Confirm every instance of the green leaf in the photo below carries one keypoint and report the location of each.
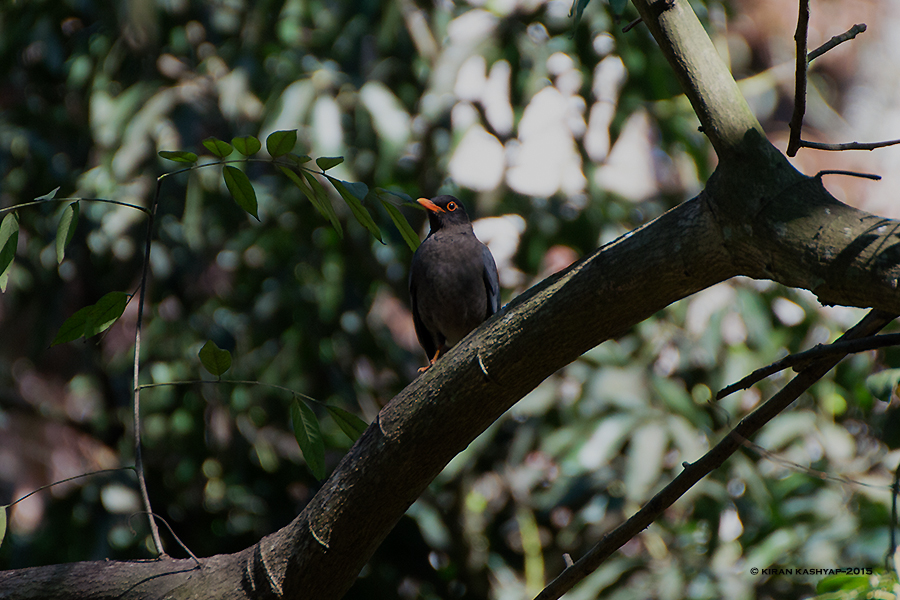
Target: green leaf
(309, 437)
(883, 383)
(3, 523)
(359, 190)
(409, 234)
(241, 189)
(66, 229)
(49, 195)
(280, 143)
(300, 159)
(247, 145)
(349, 423)
(577, 10)
(104, 313)
(326, 162)
(406, 198)
(842, 582)
(9, 239)
(218, 147)
(323, 205)
(93, 319)
(182, 156)
(73, 327)
(214, 359)
(352, 193)
(319, 199)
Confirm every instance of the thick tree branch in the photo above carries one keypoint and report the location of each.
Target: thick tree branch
(441, 412)
(723, 112)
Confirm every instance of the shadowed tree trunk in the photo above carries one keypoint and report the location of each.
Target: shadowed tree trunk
(757, 217)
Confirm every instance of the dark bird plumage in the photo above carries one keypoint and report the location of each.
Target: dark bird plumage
(453, 281)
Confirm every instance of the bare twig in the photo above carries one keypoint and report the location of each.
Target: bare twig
(873, 322)
(800, 359)
(871, 176)
(895, 490)
(632, 25)
(146, 386)
(46, 200)
(779, 460)
(154, 516)
(138, 458)
(835, 41)
(74, 477)
(799, 79)
(848, 145)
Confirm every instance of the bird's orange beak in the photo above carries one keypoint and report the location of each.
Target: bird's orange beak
(430, 205)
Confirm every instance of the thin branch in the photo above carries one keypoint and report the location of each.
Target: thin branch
(801, 358)
(779, 460)
(895, 490)
(46, 200)
(871, 176)
(632, 25)
(74, 477)
(799, 79)
(797, 143)
(848, 145)
(138, 457)
(171, 531)
(835, 41)
(146, 386)
(873, 322)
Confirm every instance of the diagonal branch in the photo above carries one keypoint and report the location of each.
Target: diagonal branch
(840, 348)
(835, 41)
(442, 411)
(799, 78)
(725, 117)
(694, 472)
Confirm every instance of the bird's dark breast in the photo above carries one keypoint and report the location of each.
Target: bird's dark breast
(450, 289)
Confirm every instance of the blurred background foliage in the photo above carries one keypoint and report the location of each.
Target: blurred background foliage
(559, 139)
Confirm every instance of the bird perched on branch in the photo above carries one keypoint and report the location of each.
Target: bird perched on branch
(453, 281)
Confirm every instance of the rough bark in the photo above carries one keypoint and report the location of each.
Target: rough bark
(757, 217)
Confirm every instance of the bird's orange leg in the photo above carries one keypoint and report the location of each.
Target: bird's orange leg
(431, 362)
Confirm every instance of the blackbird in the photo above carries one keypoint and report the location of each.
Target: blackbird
(453, 281)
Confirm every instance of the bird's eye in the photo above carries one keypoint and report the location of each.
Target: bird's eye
(451, 206)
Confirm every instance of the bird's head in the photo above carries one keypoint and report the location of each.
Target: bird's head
(444, 211)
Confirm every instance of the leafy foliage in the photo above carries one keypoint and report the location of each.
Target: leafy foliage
(280, 143)
(9, 240)
(349, 423)
(181, 156)
(309, 437)
(66, 230)
(218, 147)
(91, 320)
(214, 359)
(310, 302)
(241, 189)
(247, 145)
